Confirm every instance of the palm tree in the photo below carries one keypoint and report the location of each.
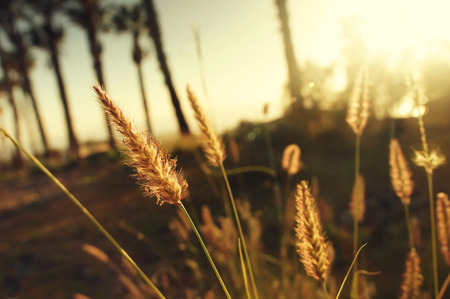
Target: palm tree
(132, 19)
(8, 85)
(293, 70)
(8, 21)
(89, 15)
(152, 22)
(49, 36)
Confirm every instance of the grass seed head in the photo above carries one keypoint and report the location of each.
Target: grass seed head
(212, 144)
(155, 172)
(291, 159)
(358, 201)
(358, 108)
(429, 160)
(443, 224)
(311, 242)
(412, 277)
(400, 173)
(96, 252)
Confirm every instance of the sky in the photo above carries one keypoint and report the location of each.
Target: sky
(243, 61)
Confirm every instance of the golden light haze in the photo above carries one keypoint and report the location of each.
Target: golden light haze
(243, 60)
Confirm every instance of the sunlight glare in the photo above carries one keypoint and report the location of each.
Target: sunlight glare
(395, 25)
(407, 108)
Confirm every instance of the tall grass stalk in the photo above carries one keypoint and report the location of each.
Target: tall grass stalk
(401, 182)
(84, 211)
(244, 270)
(240, 232)
(354, 288)
(214, 152)
(205, 250)
(408, 226)
(156, 173)
(355, 219)
(325, 290)
(357, 116)
(429, 160)
(348, 271)
(243, 169)
(433, 233)
(444, 287)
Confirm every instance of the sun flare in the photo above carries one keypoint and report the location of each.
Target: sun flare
(399, 24)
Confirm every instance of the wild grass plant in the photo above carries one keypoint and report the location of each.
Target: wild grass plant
(232, 242)
(357, 116)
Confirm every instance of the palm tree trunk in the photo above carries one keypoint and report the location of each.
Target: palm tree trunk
(137, 57)
(9, 25)
(73, 142)
(28, 89)
(18, 160)
(156, 37)
(96, 50)
(293, 71)
(144, 97)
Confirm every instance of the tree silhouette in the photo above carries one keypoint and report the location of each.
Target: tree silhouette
(8, 85)
(155, 33)
(8, 22)
(133, 19)
(89, 15)
(47, 35)
(293, 70)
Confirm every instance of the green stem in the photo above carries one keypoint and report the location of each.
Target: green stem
(348, 271)
(429, 172)
(444, 287)
(408, 225)
(84, 211)
(244, 271)
(269, 146)
(241, 234)
(433, 232)
(355, 218)
(255, 168)
(284, 235)
(205, 250)
(324, 286)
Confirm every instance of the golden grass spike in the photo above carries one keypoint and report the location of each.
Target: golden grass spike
(234, 150)
(358, 202)
(291, 159)
(212, 144)
(358, 108)
(211, 231)
(96, 252)
(180, 231)
(156, 173)
(429, 161)
(443, 224)
(412, 277)
(400, 173)
(311, 243)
